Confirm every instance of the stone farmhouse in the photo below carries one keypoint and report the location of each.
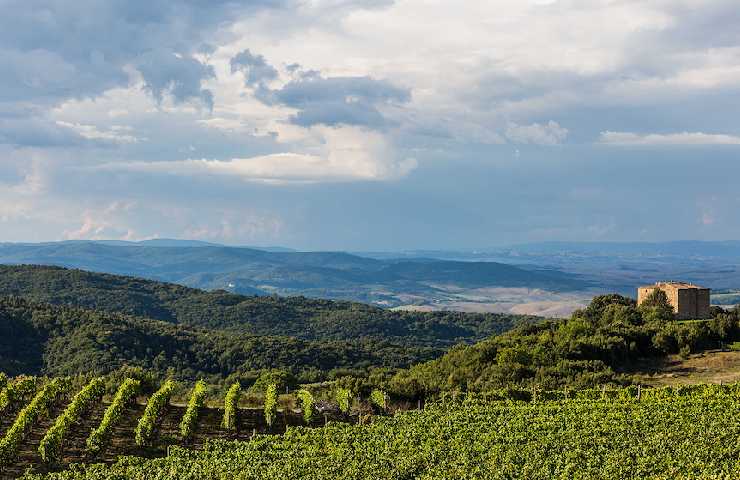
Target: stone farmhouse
(689, 301)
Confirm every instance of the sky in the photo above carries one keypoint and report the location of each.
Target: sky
(370, 124)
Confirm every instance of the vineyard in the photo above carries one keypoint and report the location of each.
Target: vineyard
(47, 424)
(668, 433)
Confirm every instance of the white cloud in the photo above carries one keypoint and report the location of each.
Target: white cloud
(115, 134)
(657, 139)
(338, 155)
(550, 133)
(101, 224)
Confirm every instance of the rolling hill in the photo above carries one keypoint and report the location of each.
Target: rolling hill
(60, 321)
(337, 275)
(309, 319)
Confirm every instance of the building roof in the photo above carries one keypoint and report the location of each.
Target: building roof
(673, 284)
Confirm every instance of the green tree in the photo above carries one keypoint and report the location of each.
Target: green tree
(656, 307)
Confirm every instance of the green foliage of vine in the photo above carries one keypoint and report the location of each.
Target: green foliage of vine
(271, 398)
(27, 417)
(154, 408)
(379, 399)
(677, 434)
(344, 399)
(113, 414)
(17, 390)
(3, 380)
(195, 404)
(50, 447)
(231, 407)
(307, 404)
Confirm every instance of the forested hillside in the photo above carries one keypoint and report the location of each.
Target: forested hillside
(61, 340)
(300, 317)
(598, 345)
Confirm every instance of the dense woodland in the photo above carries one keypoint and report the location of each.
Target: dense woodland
(299, 317)
(62, 322)
(60, 340)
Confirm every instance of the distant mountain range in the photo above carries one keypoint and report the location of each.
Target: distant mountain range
(244, 270)
(617, 266)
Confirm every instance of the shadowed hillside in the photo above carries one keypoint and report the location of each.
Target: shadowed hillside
(300, 317)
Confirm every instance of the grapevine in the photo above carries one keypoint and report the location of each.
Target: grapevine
(379, 399)
(270, 403)
(684, 433)
(231, 407)
(344, 399)
(27, 417)
(306, 404)
(190, 418)
(125, 393)
(154, 408)
(17, 390)
(51, 445)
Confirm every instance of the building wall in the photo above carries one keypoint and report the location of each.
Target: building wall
(702, 303)
(687, 302)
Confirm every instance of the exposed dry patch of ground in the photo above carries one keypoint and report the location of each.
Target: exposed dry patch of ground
(712, 366)
(522, 301)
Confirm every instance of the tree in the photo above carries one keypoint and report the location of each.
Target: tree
(656, 307)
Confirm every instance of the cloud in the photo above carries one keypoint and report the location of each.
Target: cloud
(550, 133)
(183, 101)
(166, 71)
(101, 224)
(669, 139)
(330, 101)
(256, 70)
(120, 134)
(38, 132)
(349, 154)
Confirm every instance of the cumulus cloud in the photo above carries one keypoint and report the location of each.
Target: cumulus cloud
(179, 98)
(321, 100)
(550, 133)
(349, 154)
(666, 139)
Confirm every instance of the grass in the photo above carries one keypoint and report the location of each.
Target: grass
(708, 367)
